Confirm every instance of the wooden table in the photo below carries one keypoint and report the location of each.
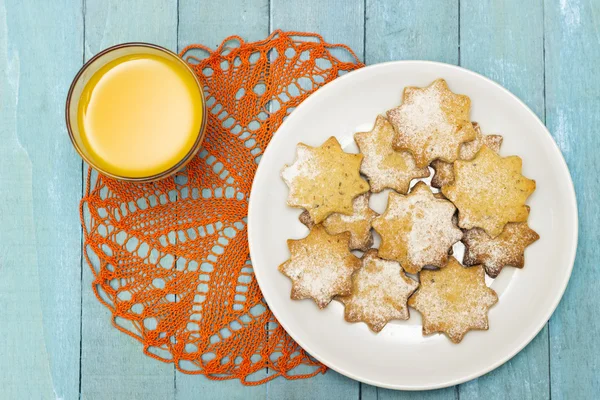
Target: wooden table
(57, 341)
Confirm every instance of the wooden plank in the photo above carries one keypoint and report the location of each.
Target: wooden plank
(339, 21)
(209, 23)
(572, 104)
(504, 41)
(411, 30)
(113, 364)
(40, 189)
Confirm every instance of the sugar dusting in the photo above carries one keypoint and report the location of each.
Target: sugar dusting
(361, 207)
(444, 172)
(454, 300)
(428, 230)
(507, 249)
(380, 293)
(385, 167)
(303, 166)
(320, 267)
(489, 191)
(422, 116)
(423, 123)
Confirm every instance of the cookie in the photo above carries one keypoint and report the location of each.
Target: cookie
(507, 249)
(489, 191)
(444, 172)
(358, 224)
(417, 229)
(382, 165)
(324, 180)
(453, 300)
(432, 123)
(380, 291)
(320, 266)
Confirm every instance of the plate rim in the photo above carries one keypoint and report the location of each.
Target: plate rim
(549, 312)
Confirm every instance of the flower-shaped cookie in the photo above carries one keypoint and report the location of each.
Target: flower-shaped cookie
(417, 229)
(320, 266)
(380, 291)
(358, 224)
(489, 191)
(385, 167)
(507, 249)
(432, 123)
(324, 180)
(444, 172)
(453, 300)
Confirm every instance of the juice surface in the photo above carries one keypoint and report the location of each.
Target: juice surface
(139, 115)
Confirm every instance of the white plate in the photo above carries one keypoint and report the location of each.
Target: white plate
(399, 357)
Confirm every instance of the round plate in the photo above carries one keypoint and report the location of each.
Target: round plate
(399, 357)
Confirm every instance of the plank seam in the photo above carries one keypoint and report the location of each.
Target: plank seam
(544, 118)
(81, 261)
(458, 2)
(364, 55)
(176, 196)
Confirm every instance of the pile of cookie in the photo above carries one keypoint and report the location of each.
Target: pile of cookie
(481, 202)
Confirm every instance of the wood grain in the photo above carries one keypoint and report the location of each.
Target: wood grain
(407, 31)
(533, 49)
(39, 191)
(339, 21)
(572, 45)
(113, 365)
(504, 42)
(411, 30)
(209, 23)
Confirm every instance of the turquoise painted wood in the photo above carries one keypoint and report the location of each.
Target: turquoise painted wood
(112, 363)
(572, 45)
(404, 30)
(58, 341)
(39, 191)
(209, 23)
(340, 21)
(501, 41)
(411, 30)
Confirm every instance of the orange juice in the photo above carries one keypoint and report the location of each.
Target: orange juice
(139, 115)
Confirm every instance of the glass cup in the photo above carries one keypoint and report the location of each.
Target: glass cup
(83, 78)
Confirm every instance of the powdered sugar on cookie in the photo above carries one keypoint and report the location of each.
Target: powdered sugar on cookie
(507, 249)
(358, 224)
(489, 191)
(304, 166)
(432, 123)
(453, 300)
(444, 172)
(385, 167)
(324, 180)
(320, 266)
(417, 229)
(380, 292)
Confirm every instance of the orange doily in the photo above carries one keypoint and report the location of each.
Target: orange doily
(170, 259)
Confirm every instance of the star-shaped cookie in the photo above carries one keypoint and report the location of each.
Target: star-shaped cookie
(324, 180)
(507, 249)
(417, 229)
(358, 224)
(432, 123)
(453, 300)
(320, 266)
(489, 191)
(444, 172)
(385, 167)
(380, 291)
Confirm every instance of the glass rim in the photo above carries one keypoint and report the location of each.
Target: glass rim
(143, 179)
